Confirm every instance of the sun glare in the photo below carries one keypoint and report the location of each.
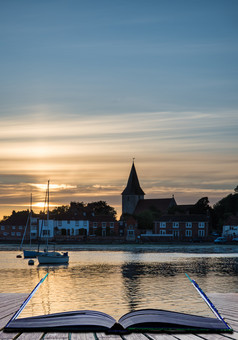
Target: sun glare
(54, 187)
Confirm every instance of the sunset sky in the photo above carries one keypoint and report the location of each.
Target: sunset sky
(85, 86)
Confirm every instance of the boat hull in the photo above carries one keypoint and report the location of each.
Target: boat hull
(30, 254)
(53, 258)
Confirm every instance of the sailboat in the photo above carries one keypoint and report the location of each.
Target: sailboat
(51, 257)
(29, 253)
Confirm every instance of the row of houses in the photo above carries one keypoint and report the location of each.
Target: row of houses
(166, 228)
(53, 228)
(177, 228)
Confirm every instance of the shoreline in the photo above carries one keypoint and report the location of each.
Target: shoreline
(139, 248)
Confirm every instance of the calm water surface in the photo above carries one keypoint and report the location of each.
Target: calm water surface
(120, 281)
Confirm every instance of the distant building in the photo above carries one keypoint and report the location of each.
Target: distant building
(182, 227)
(230, 228)
(132, 194)
(54, 228)
(171, 221)
(11, 232)
(103, 226)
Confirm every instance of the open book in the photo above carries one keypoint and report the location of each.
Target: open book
(144, 320)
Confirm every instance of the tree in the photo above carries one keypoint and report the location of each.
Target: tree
(201, 207)
(226, 207)
(61, 212)
(101, 208)
(17, 218)
(236, 189)
(145, 219)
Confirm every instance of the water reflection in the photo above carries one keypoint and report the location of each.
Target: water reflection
(116, 282)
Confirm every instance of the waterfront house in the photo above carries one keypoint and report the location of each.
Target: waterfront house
(10, 232)
(230, 228)
(103, 226)
(182, 227)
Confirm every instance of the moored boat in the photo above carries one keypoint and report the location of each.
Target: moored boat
(53, 257)
(30, 254)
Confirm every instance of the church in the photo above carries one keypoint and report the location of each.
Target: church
(133, 201)
(171, 222)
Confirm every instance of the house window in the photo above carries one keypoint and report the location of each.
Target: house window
(60, 223)
(46, 223)
(201, 225)
(176, 233)
(85, 223)
(77, 223)
(188, 224)
(20, 227)
(13, 227)
(111, 224)
(46, 232)
(162, 232)
(188, 233)
(162, 225)
(201, 233)
(2, 227)
(95, 224)
(18, 233)
(104, 224)
(175, 224)
(68, 222)
(13, 233)
(5, 234)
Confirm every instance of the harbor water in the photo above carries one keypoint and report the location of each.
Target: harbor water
(120, 280)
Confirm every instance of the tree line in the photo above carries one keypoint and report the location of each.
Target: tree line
(73, 211)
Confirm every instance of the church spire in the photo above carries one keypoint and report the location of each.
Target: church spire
(133, 185)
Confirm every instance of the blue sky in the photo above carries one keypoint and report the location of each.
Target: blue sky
(87, 86)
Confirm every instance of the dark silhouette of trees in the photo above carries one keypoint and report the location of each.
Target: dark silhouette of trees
(74, 211)
(226, 207)
(101, 208)
(16, 218)
(201, 207)
(145, 219)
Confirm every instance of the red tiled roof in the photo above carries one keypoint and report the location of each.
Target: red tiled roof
(160, 204)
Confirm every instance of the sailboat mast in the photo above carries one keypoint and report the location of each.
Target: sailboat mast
(30, 217)
(48, 212)
(24, 234)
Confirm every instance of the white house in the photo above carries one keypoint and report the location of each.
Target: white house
(230, 231)
(230, 227)
(63, 227)
(46, 228)
(71, 227)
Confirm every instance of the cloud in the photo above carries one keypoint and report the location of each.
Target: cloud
(89, 157)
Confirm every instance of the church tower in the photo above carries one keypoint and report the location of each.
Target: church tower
(132, 193)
